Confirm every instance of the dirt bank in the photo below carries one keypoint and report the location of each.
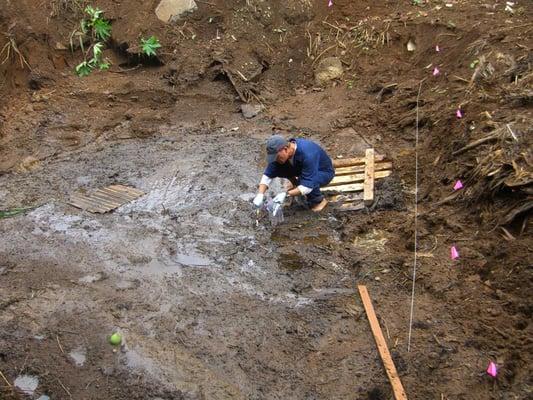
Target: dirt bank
(212, 304)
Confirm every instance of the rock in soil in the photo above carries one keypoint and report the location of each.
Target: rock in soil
(250, 110)
(328, 69)
(171, 10)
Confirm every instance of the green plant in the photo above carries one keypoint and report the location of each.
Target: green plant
(150, 45)
(99, 31)
(96, 25)
(12, 212)
(97, 61)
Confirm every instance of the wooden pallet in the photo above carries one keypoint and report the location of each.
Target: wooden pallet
(105, 199)
(356, 175)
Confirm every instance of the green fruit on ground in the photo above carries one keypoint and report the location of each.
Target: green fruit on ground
(115, 339)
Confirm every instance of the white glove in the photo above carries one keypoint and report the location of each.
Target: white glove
(259, 199)
(280, 198)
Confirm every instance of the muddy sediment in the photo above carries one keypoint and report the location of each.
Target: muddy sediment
(212, 300)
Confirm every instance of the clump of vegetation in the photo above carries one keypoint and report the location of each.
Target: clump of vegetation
(149, 46)
(98, 29)
(12, 212)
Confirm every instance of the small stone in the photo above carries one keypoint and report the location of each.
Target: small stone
(172, 10)
(494, 312)
(328, 69)
(250, 110)
(377, 278)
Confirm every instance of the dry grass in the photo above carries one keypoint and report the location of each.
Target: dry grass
(67, 7)
(11, 52)
(346, 38)
(503, 175)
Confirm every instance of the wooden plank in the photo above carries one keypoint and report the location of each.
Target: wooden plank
(380, 166)
(122, 195)
(105, 199)
(112, 195)
(368, 190)
(130, 190)
(353, 187)
(354, 206)
(343, 179)
(399, 392)
(346, 162)
(345, 197)
(85, 205)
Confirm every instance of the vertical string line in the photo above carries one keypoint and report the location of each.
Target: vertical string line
(416, 223)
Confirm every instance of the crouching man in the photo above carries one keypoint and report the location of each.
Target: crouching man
(304, 163)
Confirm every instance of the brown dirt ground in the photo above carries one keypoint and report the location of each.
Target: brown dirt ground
(132, 122)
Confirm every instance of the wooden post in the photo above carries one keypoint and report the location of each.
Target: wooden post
(368, 190)
(399, 393)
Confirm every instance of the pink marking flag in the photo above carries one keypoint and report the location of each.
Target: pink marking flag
(436, 72)
(459, 113)
(454, 254)
(330, 3)
(458, 185)
(437, 48)
(492, 369)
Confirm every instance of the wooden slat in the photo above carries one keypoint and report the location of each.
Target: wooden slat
(105, 199)
(399, 392)
(343, 179)
(122, 196)
(345, 197)
(353, 206)
(354, 187)
(113, 195)
(84, 204)
(101, 199)
(346, 162)
(380, 166)
(130, 190)
(368, 189)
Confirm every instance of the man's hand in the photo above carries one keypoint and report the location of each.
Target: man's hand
(259, 200)
(280, 198)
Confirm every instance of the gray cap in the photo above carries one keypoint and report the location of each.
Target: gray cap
(274, 144)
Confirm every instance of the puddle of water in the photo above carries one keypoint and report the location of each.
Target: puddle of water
(27, 383)
(78, 355)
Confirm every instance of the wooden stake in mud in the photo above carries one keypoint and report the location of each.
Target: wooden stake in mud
(399, 393)
(368, 190)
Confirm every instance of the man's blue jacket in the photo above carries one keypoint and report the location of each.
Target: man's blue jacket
(310, 163)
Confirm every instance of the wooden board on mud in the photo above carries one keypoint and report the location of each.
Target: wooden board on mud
(354, 175)
(105, 199)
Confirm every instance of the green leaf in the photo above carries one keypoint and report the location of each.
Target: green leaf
(12, 212)
(102, 29)
(94, 13)
(97, 51)
(83, 69)
(85, 26)
(150, 45)
(104, 66)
